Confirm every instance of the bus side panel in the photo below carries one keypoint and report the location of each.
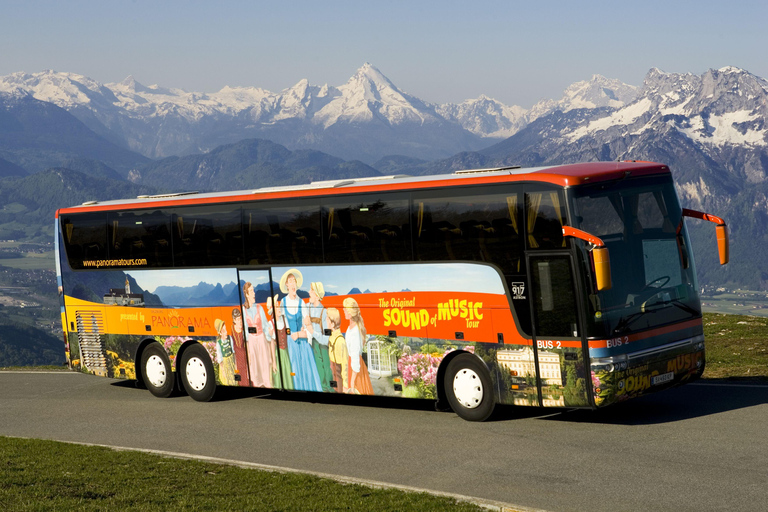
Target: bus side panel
(388, 326)
(109, 313)
(515, 363)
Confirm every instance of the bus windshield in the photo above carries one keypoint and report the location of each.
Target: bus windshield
(652, 271)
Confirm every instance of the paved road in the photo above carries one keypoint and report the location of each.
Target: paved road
(699, 447)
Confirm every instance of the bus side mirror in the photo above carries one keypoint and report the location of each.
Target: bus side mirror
(602, 265)
(722, 243)
(721, 229)
(599, 254)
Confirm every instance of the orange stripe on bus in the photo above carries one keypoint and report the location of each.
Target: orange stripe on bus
(649, 334)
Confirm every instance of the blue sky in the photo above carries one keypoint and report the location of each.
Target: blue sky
(516, 52)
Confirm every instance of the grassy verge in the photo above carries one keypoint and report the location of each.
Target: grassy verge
(40, 368)
(46, 475)
(31, 261)
(737, 347)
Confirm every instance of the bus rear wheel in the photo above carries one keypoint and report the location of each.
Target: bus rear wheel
(197, 374)
(157, 374)
(468, 388)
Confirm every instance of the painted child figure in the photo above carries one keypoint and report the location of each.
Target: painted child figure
(318, 322)
(225, 355)
(337, 350)
(284, 377)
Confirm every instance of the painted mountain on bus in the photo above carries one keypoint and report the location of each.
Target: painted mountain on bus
(366, 118)
(94, 286)
(201, 294)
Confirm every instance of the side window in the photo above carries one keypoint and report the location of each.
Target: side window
(600, 216)
(204, 236)
(554, 297)
(283, 232)
(473, 226)
(141, 235)
(366, 228)
(651, 211)
(85, 238)
(544, 219)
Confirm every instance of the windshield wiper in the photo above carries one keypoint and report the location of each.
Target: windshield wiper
(671, 301)
(628, 320)
(685, 307)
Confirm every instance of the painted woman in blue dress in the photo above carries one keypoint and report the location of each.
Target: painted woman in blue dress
(306, 377)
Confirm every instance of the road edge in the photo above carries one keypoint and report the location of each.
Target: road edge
(496, 506)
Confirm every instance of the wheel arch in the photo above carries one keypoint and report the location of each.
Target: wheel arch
(442, 400)
(184, 347)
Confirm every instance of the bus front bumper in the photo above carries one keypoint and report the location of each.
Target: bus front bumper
(619, 378)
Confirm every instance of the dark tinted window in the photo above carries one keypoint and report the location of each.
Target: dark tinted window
(470, 226)
(554, 297)
(85, 238)
(545, 215)
(141, 235)
(205, 236)
(282, 233)
(367, 228)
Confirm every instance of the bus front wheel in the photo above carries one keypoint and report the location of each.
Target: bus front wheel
(468, 388)
(197, 374)
(156, 371)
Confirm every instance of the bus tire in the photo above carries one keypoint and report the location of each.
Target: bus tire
(156, 371)
(468, 388)
(197, 374)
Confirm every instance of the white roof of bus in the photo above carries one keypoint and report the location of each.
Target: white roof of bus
(327, 184)
(400, 179)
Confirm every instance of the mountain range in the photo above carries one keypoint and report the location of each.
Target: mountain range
(365, 119)
(712, 129)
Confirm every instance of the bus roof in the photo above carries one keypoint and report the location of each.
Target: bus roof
(562, 175)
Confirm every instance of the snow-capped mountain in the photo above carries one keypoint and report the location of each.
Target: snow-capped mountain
(490, 118)
(486, 117)
(366, 118)
(596, 92)
(724, 113)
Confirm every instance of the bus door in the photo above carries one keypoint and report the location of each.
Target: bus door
(259, 337)
(557, 332)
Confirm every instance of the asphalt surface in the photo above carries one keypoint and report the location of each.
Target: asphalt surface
(703, 446)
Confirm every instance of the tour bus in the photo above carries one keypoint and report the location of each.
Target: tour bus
(570, 286)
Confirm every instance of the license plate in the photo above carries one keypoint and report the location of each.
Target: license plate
(661, 379)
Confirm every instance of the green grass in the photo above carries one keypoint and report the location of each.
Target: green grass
(737, 346)
(39, 368)
(31, 261)
(46, 475)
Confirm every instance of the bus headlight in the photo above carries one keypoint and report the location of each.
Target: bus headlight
(609, 364)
